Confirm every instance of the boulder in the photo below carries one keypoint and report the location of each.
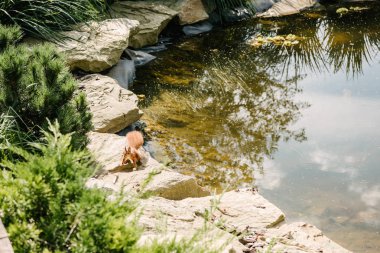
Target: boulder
(202, 27)
(97, 46)
(191, 11)
(140, 58)
(300, 237)
(150, 178)
(153, 18)
(287, 7)
(243, 213)
(113, 107)
(224, 215)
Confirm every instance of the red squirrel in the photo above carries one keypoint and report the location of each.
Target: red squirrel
(131, 154)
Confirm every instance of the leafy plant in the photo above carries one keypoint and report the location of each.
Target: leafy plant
(35, 84)
(45, 18)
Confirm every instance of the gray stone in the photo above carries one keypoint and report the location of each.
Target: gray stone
(153, 18)
(150, 178)
(199, 28)
(262, 5)
(97, 46)
(123, 73)
(287, 7)
(113, 107)
(140, 58)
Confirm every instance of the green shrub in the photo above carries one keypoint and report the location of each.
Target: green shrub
(35, 85)
(44, 18)
(45, 205)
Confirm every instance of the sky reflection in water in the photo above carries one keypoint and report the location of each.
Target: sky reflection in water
(302, 123)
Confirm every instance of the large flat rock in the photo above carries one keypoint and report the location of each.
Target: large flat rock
(97, 46)
(251, 221)
(150, 178)
(112, 106)
(153, 18)
(300, 237)
(287, 7)
(222, 215)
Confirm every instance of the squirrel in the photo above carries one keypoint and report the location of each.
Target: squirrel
(131, 154)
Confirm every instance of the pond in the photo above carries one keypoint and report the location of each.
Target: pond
(300, 121)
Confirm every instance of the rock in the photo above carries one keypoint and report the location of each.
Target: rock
(5, 244)
(262, 5)
(236, 14)
(287, 7)
(123, 73)
(164, 220)
(153, 18)
(140, 58)
(113, 107)
(240, 210)
(191, 30)
(97, 46)
(191, 11)
(154, 49)
(242, 213)
(229, 213)
(301, 237)
(159, 180)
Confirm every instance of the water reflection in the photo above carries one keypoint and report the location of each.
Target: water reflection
(232, 120)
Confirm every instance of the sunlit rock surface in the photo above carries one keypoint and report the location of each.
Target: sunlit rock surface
(287, 7)
(153, 18)
(152, 177)
(191, 11)
(223, 215)
(300, 237)
(247, 219)
(112, 106)
(97, 46)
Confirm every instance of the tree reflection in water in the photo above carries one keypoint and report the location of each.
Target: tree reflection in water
(228, 122)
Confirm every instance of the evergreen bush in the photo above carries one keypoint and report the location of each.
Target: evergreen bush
(36, 85)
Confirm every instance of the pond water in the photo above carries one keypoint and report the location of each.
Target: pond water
(300, 122)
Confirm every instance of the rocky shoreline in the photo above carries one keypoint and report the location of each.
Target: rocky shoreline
(174, 206)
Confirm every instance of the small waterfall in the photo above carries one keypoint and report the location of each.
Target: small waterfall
(124, 71)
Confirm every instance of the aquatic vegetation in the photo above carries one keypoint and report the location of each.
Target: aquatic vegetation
(343, 11)
(278, 40)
